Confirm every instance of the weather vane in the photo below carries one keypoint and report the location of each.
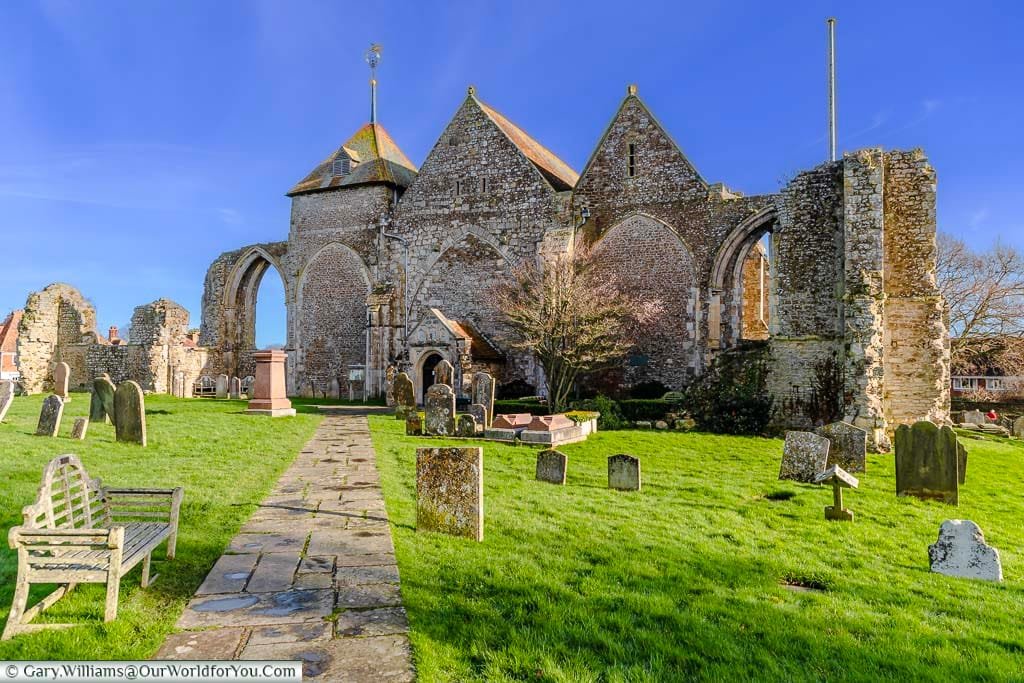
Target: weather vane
(372, 57)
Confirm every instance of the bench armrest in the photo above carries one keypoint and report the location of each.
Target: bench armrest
(89, 539)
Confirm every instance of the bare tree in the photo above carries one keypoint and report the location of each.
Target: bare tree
(573, 316)
(984, 292)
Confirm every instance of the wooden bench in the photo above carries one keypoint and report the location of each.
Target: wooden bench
(79, 531)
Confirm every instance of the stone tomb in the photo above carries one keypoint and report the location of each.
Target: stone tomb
(516, 421)
(79, 429)
(1018, 427)
(444, 373)
(439, 407)
(482, 393)
(235, 390)
(404, 396)
(804, 457)
(974, 417)
(222, 386)
(130, 413)
(101, 406)
(848, 445)
(61, 377)
(624, 472)
(50, 415)
(961, 551)
(840, 479)
(551, 430)
(551, 466)
(928, 462)
(6, 397)
(450, 491)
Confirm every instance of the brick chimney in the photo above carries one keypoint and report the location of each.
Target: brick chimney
(112, 333)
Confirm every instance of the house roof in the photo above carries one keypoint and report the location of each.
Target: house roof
(376, 159)
(557, 172)
(9, 332)
(479, 346)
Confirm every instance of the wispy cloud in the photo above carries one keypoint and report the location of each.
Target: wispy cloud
(978, 217)
(230, 216)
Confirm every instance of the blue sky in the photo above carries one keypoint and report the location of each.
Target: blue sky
(138, 140)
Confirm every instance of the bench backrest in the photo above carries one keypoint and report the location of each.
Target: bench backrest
(67, 498)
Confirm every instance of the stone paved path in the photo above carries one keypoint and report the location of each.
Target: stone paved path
(311, 575)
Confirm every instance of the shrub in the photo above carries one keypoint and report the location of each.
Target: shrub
(651, 410)
(532, 407)
(731, 397)
(611, 415)
(579, 416)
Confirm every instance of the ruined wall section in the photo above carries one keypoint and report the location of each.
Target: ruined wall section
(916, 338)
(56, 319)
(755, 314)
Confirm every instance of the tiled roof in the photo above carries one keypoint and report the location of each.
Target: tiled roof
(376, 157)
(556, 171)
(9, 332)
(479, 346)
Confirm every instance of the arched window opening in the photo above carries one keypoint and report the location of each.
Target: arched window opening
(270, 316)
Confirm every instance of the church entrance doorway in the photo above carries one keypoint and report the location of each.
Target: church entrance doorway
(427, 373)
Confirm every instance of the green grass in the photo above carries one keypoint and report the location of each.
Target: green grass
(682, 580)
(226, 461)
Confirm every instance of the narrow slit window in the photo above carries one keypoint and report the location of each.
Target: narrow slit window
(458, 188)
(631, 160)
(483, 184)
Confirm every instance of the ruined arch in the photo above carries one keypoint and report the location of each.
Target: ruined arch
(241, 290)
(332, 318)
(651, 261)
(734, 304)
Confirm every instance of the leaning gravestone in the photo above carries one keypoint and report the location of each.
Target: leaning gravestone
(444, 372)
(6, 397)
(961, 463)
(49, 416)
(101, 408)
(804, 456)
(414, 424)
(450, 491)
(61, 376)
(551, 466)
(130, 413)
(465, 425)
(389, 385)
(927, 462)
(81, 425)
(975, 417)
(439, 407)
(222, 386)
(848, 446)
(961, 551)
(176, 390)
(482, 393)
(1018, 427)
(235, 390)
(404, 396)
(624, 472)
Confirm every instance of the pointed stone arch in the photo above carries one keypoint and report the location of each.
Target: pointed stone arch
(726, 283)
(238, 341)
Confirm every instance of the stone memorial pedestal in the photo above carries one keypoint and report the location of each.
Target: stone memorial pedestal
(268, 393)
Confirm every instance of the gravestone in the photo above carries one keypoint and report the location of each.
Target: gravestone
(450, 491)
(465, 425)
(236, 388)
(80, 427)
(975, 417)
(414, 424)
(848, 446)
(928, 462)
(961, 463)
(624, 472)
(840, 479)
(804, 456)
(444, 373)
(482, 393)
(130, 413)
(334, 388)
(439, 407)
(61, 377)
(389, 385)
(551, 466)
(101, 407)
(961, 551)
(1018, 427)
(49, 416)
(106, 376)
(404, 396)
(6, 397)
(180, 378)
(479, 412)
(222, 386)
(175, 385)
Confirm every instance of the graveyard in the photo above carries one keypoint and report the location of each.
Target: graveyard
(713, 568)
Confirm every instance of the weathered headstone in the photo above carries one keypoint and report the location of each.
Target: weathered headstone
(848, 445)
(961, 462)
(130, 413)
(551, 466)
(101, 407)
(414, 424)
(961, 551)
(179, 377)
(61, 377)
(444, 373)
(222, 386)
(334, 388)
(479, 412)
(49, 416)
(465, 425)
(439, 407)
(482, 393)
(389, 385)
(1018, 427)
(235, 390)
(840, 479)
(624, 472)
(927, 462)
(175, 385)
(106, 376)
(6, 397)
(80, 427)
(804, 456)
(450, 491)
(404, 395)
(975, 417)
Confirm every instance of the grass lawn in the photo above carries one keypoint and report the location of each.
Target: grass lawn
(227, 463)
(683, 579)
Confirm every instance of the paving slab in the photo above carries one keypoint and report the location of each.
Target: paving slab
(348, 660)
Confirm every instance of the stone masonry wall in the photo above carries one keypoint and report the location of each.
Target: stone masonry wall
(54, 317)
